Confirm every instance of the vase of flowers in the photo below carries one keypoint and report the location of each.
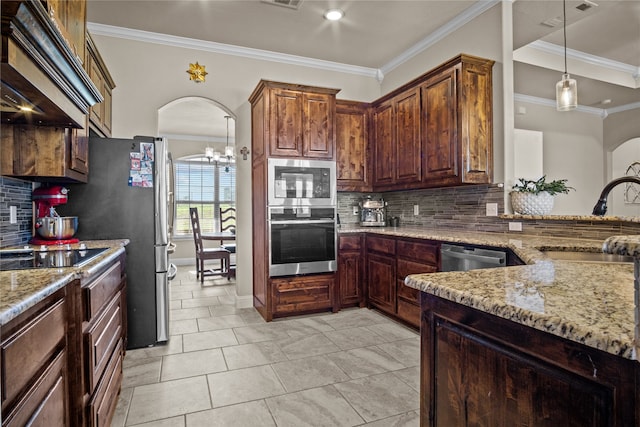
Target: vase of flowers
(536, 197)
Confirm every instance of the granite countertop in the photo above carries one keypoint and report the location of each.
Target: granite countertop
(22, 289)
(589, 303)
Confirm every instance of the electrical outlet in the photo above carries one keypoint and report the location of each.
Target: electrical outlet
(515, 226)
(355, 210)
(13, 214)
(492, 209)
(416, 210)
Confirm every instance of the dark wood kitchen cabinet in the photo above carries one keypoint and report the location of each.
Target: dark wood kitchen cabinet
(302, 294)
(45, 153)
(457, 130)
(350, 270)
(100, 117)
(381, 273)
(353, 156)
(397, 150)
(298, 121)
(34, 364)
(479, 369)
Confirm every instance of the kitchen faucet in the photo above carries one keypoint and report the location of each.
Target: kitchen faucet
(601, 206)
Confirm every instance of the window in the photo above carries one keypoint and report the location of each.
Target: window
(206, 186)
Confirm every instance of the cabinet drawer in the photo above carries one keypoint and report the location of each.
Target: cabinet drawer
(98, 292)
(406, 268)
(26, 352)
(101, 339)
(350, 243)
(381, 244)
(418, 251)
(409, 312)
(46, 402)
(103, 403)
(302, 294)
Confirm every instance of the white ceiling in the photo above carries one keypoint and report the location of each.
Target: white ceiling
(377, 34)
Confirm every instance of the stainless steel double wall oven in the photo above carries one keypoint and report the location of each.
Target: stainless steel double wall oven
(301, 216)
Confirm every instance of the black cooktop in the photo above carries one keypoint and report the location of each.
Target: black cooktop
(51, 258)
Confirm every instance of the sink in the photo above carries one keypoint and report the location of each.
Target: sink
(588, 257)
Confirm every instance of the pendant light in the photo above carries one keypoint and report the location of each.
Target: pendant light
(567, 88)
(228, 150)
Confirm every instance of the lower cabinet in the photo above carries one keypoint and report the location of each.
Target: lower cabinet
(389, 262)
(350, 271)
(302, 294)
(479, 369)
(34, 365)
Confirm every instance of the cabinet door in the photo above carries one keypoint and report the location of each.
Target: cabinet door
(384, 147)
(350, 278)
(407, 140)
(352, 146)
(381, 281)
(481, 382)
(318, 133)
(79, 147)
(285, 135)
(439, 130)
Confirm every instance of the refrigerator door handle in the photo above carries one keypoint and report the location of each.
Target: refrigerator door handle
(162, 307)
(160, 192)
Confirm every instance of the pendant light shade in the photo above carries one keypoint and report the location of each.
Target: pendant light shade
(567, 88)
(566, 93)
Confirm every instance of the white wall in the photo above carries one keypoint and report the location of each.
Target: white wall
(572, 150)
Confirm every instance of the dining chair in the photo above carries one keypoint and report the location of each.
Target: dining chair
(203, 254)
(228, 224)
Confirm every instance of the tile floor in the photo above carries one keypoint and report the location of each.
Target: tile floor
(225, 366)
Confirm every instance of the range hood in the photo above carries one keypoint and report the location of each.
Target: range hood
(43, 82)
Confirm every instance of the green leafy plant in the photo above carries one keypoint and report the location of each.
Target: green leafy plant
(535, 187)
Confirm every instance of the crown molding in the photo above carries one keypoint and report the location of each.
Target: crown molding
(226, 49)
(602, 112)
(460, 20)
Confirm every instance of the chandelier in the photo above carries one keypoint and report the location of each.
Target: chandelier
(227, 158)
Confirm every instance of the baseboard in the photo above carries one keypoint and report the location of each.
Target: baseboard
(244, 301)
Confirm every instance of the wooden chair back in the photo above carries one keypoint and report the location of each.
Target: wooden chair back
(228, 219)
(197, 233)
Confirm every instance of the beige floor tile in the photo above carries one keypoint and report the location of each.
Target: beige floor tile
(177, 294)
(307, 373)
(220, 322)
(209, 339)
(406, 352)
(224, 310)
(247, 414)
(261, 332)
(185, 365)
(189, 313)
(305, 346)
(167, 422)
(173, 346)
(355, 317)
(168, 399)
(363, 362)
(411, 376)
(350, 338)
(392, 331)
(409, 419)
(379, 396)
(200, 302)
(255, 354)
(122, 407)
(175, 304)
(141, 371)
(250, 316)
(317, 407)
(213, 291)
(243, 385)
(227, 299)
(186, 326)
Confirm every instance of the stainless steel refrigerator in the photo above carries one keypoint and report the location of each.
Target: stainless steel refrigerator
(127, 197)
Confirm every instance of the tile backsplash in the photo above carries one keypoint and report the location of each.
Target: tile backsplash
(15, 192)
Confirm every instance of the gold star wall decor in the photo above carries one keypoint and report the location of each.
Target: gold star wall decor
(196, 72)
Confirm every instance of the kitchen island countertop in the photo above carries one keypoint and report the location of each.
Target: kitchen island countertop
(589, 303)
(22, 289)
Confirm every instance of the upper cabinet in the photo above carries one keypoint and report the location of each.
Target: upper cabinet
(397, 141)
(100, 114)
(353, 157)
(299, 121)
(434, 131)
(457, 131)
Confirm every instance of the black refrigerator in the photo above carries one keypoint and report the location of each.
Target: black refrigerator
(127, 197)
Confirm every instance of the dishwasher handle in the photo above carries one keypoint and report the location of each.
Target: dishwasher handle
(473, 257)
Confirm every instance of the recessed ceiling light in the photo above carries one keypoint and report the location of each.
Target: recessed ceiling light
(334, 14)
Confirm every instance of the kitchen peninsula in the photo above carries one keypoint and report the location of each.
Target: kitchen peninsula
(547, 343)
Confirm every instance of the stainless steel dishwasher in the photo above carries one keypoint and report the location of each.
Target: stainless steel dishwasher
(463, 258)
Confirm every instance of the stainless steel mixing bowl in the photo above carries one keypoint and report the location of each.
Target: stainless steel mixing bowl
(57, 228)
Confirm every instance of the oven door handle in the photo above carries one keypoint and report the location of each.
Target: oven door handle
(304, 221)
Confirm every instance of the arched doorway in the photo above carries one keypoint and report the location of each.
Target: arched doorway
(192, 125)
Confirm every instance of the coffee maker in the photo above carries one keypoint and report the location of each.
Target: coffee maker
(373, 212)
(51, 228)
